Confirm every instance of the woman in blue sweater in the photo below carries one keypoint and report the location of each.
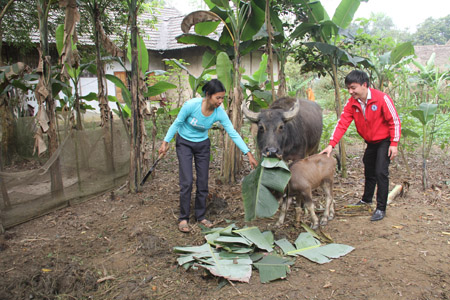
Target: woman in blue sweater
(192, 123)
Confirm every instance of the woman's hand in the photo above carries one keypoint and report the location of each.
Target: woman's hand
(252, 160)
(164, 148)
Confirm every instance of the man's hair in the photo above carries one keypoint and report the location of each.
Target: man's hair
(357, 76)
(213, 86)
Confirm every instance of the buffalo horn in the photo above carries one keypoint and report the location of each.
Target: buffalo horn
(251, 115)
(288, 115)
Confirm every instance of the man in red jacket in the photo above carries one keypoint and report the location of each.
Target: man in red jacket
(377, 122)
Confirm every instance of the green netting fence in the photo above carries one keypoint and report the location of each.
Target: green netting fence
(88, 167)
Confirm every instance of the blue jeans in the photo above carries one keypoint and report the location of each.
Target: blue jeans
(186, 150)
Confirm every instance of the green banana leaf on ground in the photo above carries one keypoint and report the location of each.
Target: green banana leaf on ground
(309, 247)
(232, 253)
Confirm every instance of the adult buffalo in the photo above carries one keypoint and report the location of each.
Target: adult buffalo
(289, 129)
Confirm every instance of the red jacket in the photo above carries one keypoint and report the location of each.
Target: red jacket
(380, 122)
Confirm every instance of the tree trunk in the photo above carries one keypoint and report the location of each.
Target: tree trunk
(78, 124)
(1, 44)
(424, 174)
(45, 98)
(282, 90)
(7, 124)
(231, 156)
(135, 157)
(6, 202)
(338, 106)
(269, 49)
(105, 111)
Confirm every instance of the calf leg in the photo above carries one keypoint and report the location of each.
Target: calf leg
(284, 208)
(309, 204)
(298, 212)
(329, 206)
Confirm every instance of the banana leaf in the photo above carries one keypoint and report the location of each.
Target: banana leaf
(227, 268)
(259, 202)
(285, 245)
(309, 247)
(273, 267)
(254, 235)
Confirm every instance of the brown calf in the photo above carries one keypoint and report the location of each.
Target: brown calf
(306, 175)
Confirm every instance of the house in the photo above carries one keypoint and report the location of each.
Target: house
(161, 44)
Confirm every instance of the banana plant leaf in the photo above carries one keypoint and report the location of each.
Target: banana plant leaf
(233, 272)
(228, 268)
(425, 112)
(309, 247)
(259, 202)
(192, 257)
(268, 235)
(254, 235)
(192, 249)
(273, 267)
(233, 240)
(285, 245)
(323, 237)
(159, 88)
(221, 230)
(230, 253)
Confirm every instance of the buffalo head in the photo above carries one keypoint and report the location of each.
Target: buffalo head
(272, 131)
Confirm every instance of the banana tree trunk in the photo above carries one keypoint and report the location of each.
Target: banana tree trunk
(136, 135)
(231, 156)
(338, 107)
(7, 124)
(45, 98)
(269, 49)
(105, 111)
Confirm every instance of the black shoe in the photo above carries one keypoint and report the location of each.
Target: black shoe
(360, 202)
(378, 215)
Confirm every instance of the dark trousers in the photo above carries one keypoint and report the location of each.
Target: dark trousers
(187, 150)
(376, 171)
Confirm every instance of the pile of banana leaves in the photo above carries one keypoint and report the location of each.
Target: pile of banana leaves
(233, 253)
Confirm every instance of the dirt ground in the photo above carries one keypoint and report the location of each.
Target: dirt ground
(119, 246)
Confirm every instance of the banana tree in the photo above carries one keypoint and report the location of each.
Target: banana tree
(325, 54)
(383, 64)
(9, 76)
(256, 89)
(241, 22)
(426, 113)
(432, 80)
(196, 82)
(46, 116)
(72, 70)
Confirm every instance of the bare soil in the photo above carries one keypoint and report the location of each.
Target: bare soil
(119, 246)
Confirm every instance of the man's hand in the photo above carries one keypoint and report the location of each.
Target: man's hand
(392, 152)
(164, 148)
(327, 150)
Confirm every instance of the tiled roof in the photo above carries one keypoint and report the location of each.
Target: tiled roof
(442, 52)
(168, 27)
(160, 37)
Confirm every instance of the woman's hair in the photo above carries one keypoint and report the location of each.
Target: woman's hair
(357, 76)
(213, 86)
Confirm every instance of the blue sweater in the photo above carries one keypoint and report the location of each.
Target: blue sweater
(193, 126)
